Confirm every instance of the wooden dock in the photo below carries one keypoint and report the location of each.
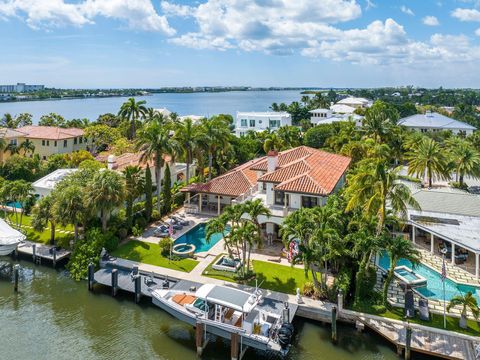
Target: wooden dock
(427, 340)
(40, 252)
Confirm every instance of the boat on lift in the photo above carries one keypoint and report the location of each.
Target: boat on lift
(9, 238)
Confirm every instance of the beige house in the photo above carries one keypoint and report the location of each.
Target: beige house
(48, 140)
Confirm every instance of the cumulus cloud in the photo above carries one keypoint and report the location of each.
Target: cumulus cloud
(466, 14)
(477, 32)
(137, 14)
(430, 21)
(407, 10)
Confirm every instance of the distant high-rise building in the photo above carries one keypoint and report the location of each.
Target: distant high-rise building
(20, 88)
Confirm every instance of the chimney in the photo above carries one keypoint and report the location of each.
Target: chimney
(272, 160)
(111, 162)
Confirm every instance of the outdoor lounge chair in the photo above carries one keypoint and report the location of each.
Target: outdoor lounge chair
(181, 221)
(409, 304)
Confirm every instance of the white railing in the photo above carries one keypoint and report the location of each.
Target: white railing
(245, 196)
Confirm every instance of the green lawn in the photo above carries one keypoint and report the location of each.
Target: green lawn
(436, 320)
(149, 253)
(269, 276)
(61, 239)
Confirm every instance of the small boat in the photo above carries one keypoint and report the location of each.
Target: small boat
(226, 311)
(9, 238)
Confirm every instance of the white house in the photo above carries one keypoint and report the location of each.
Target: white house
(342, 109)
(355, 102)
(434, 122)
(260, 121)
(46, 184)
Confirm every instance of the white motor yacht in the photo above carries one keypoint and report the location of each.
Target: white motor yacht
(9, 238)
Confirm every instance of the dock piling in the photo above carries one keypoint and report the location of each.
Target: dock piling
(54, 253)
(91, 274)
(334, 324)
(234, 343)
(16, 275)
(408, 342)
(200, 338)
(34, 253)
(138, 288)
(114, 282)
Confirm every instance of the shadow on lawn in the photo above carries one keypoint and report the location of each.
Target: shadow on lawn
(289, 286)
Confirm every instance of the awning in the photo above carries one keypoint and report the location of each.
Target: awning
(225, 296)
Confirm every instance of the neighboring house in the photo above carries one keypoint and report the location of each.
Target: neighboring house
(195, 118)
(434, 122)
(164, 111)
(342, 109)
(260, 121)
(327, 116)
(284, 182)
(10, 136)
(46, 184)
(448, 218)
(48, 140)
(355, 102)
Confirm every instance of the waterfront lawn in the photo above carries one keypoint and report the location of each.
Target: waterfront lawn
(436, 320)
(149, 253)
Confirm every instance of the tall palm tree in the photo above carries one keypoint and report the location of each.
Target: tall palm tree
(290, 136)
(27, 146)
(132, 111)
(134, 186)
(373, 187)
(104, 193)
(254, 209)
(378, 121)
(12, 148)
(466, 160)
(429, 159)
(467, 301)
(43, 214)
(69, 207)
(216, 225)
(154, 141)
(187, 134)
(215, 134)
(273, 142)
(398, 248)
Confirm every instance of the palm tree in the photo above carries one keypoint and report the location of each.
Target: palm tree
(465, 158)
(398, 248)
(216, 225)
(254, 209)
(215, 133)
(12, 148)
(43, 214)
(428, 159)
(27, 146)
(373, 186)
(134, 185)
(154, 141)
(187, 135)
(132, 110)
(379, 120)
(104, 193)
(69, 207)
(467, 301)
(290, 136)
(24, 190)
(273, 142)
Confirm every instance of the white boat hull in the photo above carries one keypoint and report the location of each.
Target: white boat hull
(7, 249)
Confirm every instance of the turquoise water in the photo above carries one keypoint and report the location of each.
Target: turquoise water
(434, 287)
(197, 237)
(406, 275)
(15, 204)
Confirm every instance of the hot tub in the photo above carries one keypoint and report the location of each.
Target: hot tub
(409, 277)
(183, 250)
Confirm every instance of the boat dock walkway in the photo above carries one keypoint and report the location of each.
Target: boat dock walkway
(40, 252)
(424, 339)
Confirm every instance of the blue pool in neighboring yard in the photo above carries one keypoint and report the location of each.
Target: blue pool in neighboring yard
(14, 204)
(197, 236)
(434, 288)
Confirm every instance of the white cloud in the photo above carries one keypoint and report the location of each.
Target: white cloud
(407, 10)
(176, 10)
(430, 21)
(477, 32)
(137, 14)
(466, 14)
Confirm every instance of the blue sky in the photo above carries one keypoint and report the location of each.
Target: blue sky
(326, 43)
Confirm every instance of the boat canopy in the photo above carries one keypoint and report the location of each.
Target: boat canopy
(227, 296)
(8, 235)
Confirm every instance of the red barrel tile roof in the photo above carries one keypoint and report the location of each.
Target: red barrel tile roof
(49, 132)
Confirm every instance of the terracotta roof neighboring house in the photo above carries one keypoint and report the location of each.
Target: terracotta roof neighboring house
(10, 133)
(122, 161)
(233, 183)
(49, 132)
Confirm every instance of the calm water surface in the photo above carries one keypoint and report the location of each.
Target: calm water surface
(53, 317)
(204, 104)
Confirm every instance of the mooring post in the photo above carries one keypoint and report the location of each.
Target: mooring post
(340, 300)
(91, 275)
(199, 338)
(334, 324)
(234, 343)
(114, 282)
(138, 288)
(16, 275)
(34, 253)
(54, 252)
(408, 342)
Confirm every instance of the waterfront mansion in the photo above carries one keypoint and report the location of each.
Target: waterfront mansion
(260, 121)
(48, 140)
(284, 182)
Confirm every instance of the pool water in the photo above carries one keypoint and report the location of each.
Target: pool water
(407, 275)
(14, 204)
(197, 237)
(434, 287)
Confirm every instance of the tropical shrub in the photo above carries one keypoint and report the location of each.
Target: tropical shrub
(165, 244)
(317, 136)
(308, 288)
(155, 215)
(86, 251)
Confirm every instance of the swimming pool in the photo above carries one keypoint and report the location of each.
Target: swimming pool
(197, 236)
(434, 287)
(14, 204)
